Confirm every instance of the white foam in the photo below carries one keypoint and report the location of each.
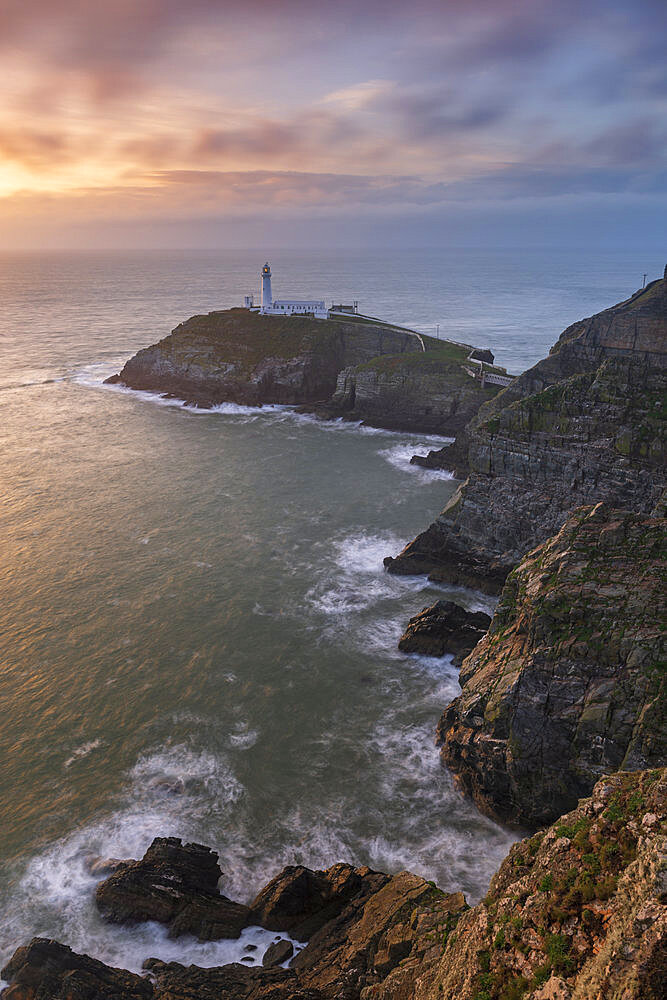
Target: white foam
(364, 552)
(83, 751)
(243, 737)
(399, 456)
(94, 376)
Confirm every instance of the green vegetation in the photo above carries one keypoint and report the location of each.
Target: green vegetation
(574, 878)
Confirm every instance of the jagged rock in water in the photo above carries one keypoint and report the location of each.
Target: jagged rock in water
(583, 425)
(300, 900)
(175, 884)
(444, 627)
(227, 982)
(567, 685)
(48, 970)
(369, 938)
(277, 954)
(577, 911)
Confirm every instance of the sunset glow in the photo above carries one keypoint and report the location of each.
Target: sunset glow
(137, 111)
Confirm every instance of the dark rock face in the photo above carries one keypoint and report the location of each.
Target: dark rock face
(227, 982)
(581, 426)
(445, 627)
(361, 946)
(408, 396)
(577, 911)
(593, 437)
(277, 954)
(175, 884)
(300, 900)
(241, 357)
(567, 685)
(47, 970)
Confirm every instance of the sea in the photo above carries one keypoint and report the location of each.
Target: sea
(197, 637)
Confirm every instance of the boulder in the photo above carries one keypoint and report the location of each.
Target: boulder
(300, 900)
(371, 937)
(48, 970)
(444, 627)
(175, 884)
(277, 953)
(227, 982)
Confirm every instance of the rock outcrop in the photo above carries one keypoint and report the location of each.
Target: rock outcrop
(48, 970)
(301, 901)
(242, 357)
(569, 683)
(368, 371)
(444, 627)
(175, 884)
(583, 425)
(428, 392)
(575, 912)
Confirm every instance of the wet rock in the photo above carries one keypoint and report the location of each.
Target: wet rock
(300, 900)
(227, 982)
(277, 953)
(444, 627)
(48, 970)
(371, 937)
(577, 910)
(107, 866)
(567, 684)
(175, 884)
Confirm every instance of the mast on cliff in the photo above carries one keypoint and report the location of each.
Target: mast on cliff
(267, 298)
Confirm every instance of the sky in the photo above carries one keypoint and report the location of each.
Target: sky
(155, 123)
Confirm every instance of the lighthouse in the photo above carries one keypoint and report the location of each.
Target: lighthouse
(267, 298)
(284, 307)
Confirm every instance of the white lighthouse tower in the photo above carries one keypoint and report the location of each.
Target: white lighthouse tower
(267, 298)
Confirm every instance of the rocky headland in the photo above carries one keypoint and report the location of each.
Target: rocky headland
(577, 911)
(586, 424)
(384, 375)
(562, 691)
(569, 682)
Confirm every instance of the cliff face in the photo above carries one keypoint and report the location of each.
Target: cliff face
(426, 392)
(567, 685)
(242, 357)
(575, 912)
(358, 370)
(584, 425)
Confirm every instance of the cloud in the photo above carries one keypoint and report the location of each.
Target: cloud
(155, 106)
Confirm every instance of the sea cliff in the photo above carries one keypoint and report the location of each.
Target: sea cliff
(563, 692)
(370, 371)
(587, 424)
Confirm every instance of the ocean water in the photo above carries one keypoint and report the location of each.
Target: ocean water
(197, 637)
